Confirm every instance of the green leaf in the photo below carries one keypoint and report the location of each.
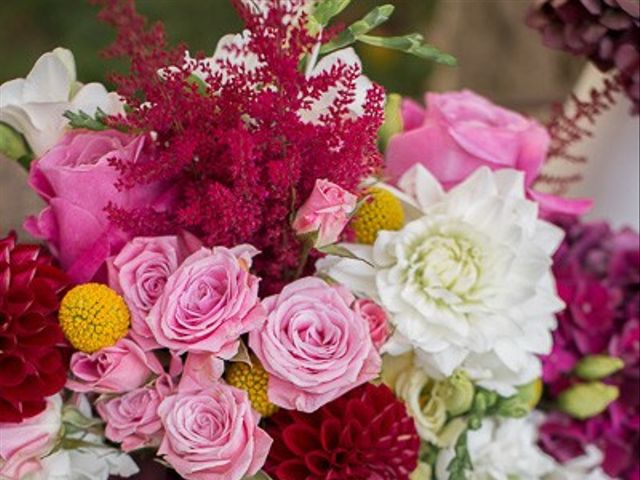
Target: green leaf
(73, 417)
(13, 144)
(258, 476)
(340, 251)
(82, 119)
(412, 44)
(327, 9)
(461, 462)
(351, 34)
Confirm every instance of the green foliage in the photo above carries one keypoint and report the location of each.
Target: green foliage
(327, 9)
(351, 34)
(461, 462)
(84, 120)
(13, 145)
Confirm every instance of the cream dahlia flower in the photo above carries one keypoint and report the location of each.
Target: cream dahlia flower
(467, 281)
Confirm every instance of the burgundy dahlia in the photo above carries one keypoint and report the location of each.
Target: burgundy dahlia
(33, 356)
(605, 31)
(598, 275)
(365, 434)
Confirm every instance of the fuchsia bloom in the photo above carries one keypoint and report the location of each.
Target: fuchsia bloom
(598, 276)
(460, 132)
(314, 346)
(326, 212)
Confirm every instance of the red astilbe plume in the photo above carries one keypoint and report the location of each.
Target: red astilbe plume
(243, 136)
(364, 434)
(33, 352)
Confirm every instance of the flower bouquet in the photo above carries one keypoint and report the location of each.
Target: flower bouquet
(257, 265)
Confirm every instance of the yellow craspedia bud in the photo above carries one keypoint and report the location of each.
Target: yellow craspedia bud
(254, 380)
(382, 211)
(93, 316)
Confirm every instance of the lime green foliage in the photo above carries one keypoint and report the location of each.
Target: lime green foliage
(12, 144)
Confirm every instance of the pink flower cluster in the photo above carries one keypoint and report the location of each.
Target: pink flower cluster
(597, 271)
(193, 304)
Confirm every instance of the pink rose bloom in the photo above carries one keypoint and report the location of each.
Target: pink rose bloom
(139, 273)
(460, 132)
(23, 444)
(326, 212)
(120, 368)
(208, 303)
(77, 182)
(200, 371)
(132, 419)
(314, 346)
(212, 434)
(377, 319)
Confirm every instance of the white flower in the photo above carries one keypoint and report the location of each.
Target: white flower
(501, 450)
(34, 105)
(585, 467)
(467, 281)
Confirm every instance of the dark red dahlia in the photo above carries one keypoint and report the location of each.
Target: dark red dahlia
(363, 435)
(33, 354)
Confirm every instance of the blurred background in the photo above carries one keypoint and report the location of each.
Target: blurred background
(499, 56)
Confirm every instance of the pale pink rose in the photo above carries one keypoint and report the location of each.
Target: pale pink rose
(212, 434)
(132, 419)
(24, 444)
(460, 132)
(314, 346)
(139, 273)
(326, 212)
(120, 368)
(208, 303)
(377, 319)
(200, 371)
(77, 181)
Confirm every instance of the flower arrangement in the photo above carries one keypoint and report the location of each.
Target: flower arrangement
(257, 265)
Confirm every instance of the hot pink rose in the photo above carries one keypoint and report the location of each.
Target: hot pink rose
(212, 434)
(460, 132)
(208, 303)
(23, 444)
(132, 419)
(377, 319)
(139, 272)
(120, 368)
(326, 212)
(314, 346)
(77, 182)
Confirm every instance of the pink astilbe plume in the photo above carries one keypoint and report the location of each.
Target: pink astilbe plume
(242, 137)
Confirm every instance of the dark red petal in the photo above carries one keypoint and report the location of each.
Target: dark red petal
(12, 371)
(292, 470)
(300, 438)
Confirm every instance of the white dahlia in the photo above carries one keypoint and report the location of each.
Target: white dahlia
(467, 281)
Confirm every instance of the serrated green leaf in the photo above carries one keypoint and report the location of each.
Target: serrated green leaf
(412, 44)
(82, 119)
(351, 34)
(327, 9)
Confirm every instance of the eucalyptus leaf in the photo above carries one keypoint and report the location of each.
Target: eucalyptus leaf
(351, 34)
(82, 119)
(412, 44)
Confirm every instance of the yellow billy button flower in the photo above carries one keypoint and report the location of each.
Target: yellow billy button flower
(93, 316)
(254, 380)
(381, 211)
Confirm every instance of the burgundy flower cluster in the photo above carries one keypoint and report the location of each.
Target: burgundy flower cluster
(234, 137)
(33, 352)
(598, 275)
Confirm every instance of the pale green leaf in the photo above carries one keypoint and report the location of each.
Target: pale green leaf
(351, 34)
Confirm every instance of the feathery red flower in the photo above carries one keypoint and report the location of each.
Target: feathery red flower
(33, 355)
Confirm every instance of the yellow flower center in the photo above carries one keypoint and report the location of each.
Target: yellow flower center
(381, 211)
(93, 316)
(254, 380)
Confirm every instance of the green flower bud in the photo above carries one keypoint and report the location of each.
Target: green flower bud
(520, 404)
(393, 122)
(586, 400)
(597, 367)
(457, 393)
(423, 472)
(12, 144)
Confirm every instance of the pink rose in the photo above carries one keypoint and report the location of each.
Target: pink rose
(139, 272)
(200, 371)
(23, 444)
(132, 419)
(120, 368)
(77, 182)
(314, 346)
(212, 434)
(460, 132)
(326, 212)
(377, 319)
(208, 303)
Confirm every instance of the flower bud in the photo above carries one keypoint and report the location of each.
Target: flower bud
(586, 400)
(393, 122)
(523, 402)
(12, 144)
(457, 393)
(597, 367)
